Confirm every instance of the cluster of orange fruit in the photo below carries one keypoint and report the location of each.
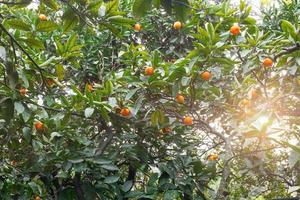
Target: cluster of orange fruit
(149, 71)
(235, 30)
(213, 157)
(177, 25)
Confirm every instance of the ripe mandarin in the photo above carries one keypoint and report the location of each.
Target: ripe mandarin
(137, 27)
(188, 121)
(206, 75)
(149, 71)
(267, 62)
(125, 112)
(38, 126)
(235, 30)
(23, 91)
(89, 87)
(213, 157)
(180, 98)
(166, 129)
(43, 17)
(177, 25)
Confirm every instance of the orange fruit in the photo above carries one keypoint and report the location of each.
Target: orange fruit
(268, 62)
(23, 91)
(177, 25)
(125, 112)
(38, 126)
(254, 94)
(245, 102)
(13, 162)
(206, 75)
(187, 121)
(89, 87)
(180, 98)
(37, 198)
(50, 82)
(166, 130)
(137, 27)
(235, 30)
(43, 17)
(149, 71)
(212, 157)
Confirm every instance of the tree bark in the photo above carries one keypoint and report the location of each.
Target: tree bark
(77, 185)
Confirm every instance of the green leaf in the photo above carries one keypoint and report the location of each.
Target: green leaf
(127, 186)
(7, 108)
(131, 93)
(185, 81)
(288, 28)
(101, 161)
(181, 8)
(198, 166)
(51, 4)
(18, 24)
(111, 7)
(154, 119)
(156, 3)
(12, 74)
(156, 58)
(46, 26)
(69, 24)
(76, 160)
(140, 7)
(108, 87)
(19, 107)
(59, 47)
(71, 42)
(121, 20)
(171, 195)
(210, 30)
(27, 134)
(88, 112)
(60, 72)
(113, 29)
(111, 179)
(167, 4)
(110, 167)
(94, 7)
(31, 42)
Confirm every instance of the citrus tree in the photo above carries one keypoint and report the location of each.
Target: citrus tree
(149, 99)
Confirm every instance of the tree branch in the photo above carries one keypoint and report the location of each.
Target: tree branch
(288, 50)
(104, 144)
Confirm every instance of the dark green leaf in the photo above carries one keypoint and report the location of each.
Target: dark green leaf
(140, 7)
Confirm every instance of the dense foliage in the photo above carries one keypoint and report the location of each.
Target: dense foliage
(149, 99)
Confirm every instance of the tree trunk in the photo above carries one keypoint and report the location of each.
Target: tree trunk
(77, 185)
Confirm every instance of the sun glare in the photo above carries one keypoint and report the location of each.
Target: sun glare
(263, 119)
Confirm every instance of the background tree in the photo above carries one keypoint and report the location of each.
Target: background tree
(148, 100)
